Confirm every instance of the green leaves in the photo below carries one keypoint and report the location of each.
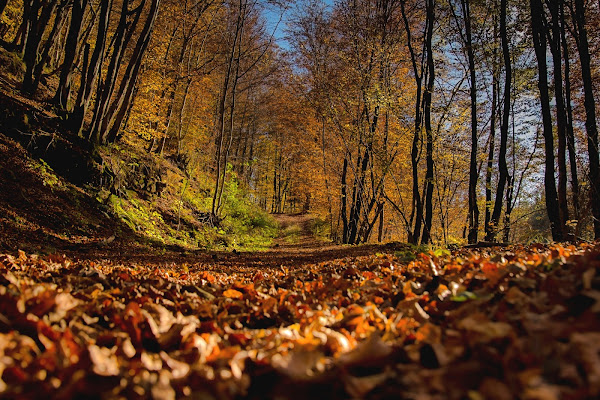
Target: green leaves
(463, 296)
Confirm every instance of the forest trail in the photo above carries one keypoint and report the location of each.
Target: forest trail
(296, 246)
(296, 233)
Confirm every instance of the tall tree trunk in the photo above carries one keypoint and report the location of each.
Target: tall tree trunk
(590, 113)
(91, 70)
(539, 44)
(509, 206)
(42, 59)
(37, 20)
(488, 225)
(24, 29)
(119, 107)
(426, 238)
(180, 135)
(221, 112)
(570, 133)
(358, 195)
(554, 35)
(61, 99)
(105, 90)
(416, 216)
(473, 173)
(344, 201)
(502, 166)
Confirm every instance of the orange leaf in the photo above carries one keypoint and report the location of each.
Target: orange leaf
(233, 294)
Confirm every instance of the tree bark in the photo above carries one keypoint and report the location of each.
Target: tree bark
(416, 215)
(570, 133)
(590, 114)
(473, 216)
(539, 43)
(61, 99)
(488, 226)
(37, 21)
(426, 238)
(554, 37)
(42, 59)
(105, 90)
(119, 107)
(91, 70)
(230, 75)
(502, 166)
(344, 200)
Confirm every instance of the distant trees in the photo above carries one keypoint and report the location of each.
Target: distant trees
(351, 83)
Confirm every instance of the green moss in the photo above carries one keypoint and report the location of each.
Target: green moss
(171, 218)
(46, 172)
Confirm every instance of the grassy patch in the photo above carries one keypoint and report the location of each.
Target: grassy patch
(291, 234)
(173, 216)
(49, 177)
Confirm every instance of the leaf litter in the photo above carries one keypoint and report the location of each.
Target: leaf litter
(518, 322)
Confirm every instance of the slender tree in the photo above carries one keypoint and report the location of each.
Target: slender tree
(429, 184)
(539, 43)
(590, 111)
(91, 70)
(63, 91)
(502, 165)
(37, 19)
(418, 66)
(553, 31)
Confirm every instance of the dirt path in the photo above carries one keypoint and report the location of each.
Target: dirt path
(296, 233)
(296, 246)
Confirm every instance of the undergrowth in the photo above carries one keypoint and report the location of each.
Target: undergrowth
(173, 214)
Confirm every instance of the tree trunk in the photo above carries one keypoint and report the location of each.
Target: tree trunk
(570, 133)
(416, 215)
(50, 41)
(105, 91)
(590, 114)
(119, 107)
(539, 43)
(426, 238)
(25, 27)
(181, 114)
(473, 173)
(37, 20)
(561, 114)
(488, 226)
(357, 197)
(91, 70)
(220, 139)
(502, 166)
(61, 99)
(344, 200)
